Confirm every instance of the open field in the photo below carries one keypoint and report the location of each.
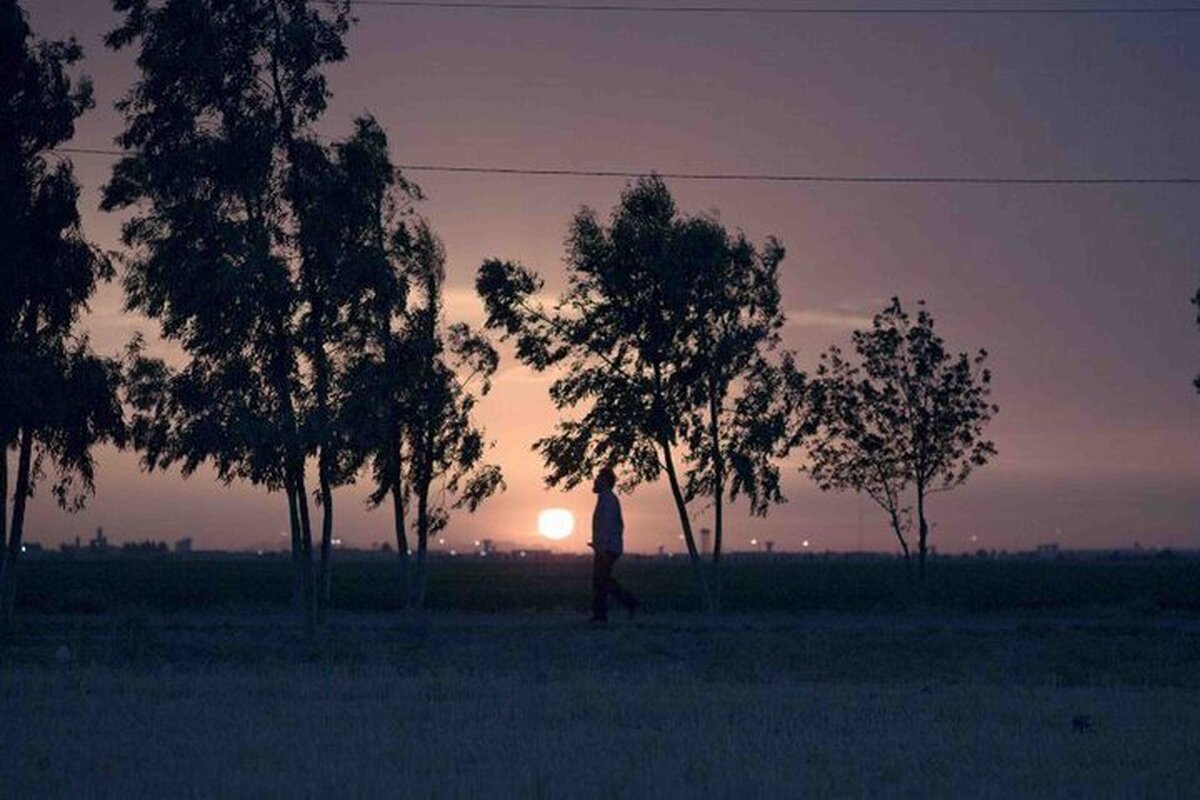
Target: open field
(543, 706)
(474, 585)
(170, 686)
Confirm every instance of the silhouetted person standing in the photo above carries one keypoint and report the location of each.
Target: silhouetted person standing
(608, 530)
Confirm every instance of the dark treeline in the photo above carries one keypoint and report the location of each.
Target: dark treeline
(295, 278)
(303, 294)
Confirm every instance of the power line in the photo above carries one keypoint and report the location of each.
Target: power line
(591, 8)
(765, 177)
(783, 178)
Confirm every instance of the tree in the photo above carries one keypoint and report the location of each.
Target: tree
(443, 442)
(377, 246)
(414, 402)
(216, 130)
(58, 400)
(854, 443)
(910, 414)
(349, 200)
(735, 426)
(662, 319)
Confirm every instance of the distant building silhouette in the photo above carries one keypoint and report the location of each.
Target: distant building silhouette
(99, 542)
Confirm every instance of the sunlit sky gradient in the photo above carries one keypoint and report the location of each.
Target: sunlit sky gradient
(1080, 294)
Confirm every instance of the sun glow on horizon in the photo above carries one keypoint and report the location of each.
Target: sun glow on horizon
(555, 524)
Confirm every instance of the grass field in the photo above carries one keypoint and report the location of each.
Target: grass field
(171, 687)
(472, 585)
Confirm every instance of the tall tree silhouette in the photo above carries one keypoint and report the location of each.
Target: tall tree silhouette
(415, 389)
(910, 413)
(661, 317)
(735, 426)
(372, 211)
(57, 398)
(216, 130)
(445, 445)
(348, 199)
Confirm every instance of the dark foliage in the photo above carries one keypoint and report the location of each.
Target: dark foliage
(218, 161)
(58, 400)
(660, 342)
(909, 414)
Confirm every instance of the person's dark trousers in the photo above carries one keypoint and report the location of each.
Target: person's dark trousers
(603, 583)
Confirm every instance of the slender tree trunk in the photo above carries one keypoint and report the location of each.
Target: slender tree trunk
(903, 546)
(714, 423)
(326, 577)
(8, 582)
(306, 546)
(288, 136)
(419, 581)
(401, 538)
(922, 546)
(3, 504)
(297, 549)
(686, 524)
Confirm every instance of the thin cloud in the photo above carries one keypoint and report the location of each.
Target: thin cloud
(842, 318)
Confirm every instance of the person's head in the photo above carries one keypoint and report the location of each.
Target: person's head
(606, 479)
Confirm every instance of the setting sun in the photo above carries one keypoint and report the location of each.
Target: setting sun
(556, 523)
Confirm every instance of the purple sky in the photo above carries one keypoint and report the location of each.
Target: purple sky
(1080, 294)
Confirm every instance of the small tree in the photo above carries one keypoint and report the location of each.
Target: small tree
(909, 414)
(661, 334)
(855, 444)
(443, 442)
(412, 401)
(734, 427)
(58, 400)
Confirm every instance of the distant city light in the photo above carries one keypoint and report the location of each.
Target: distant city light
(754, 543)
(804, 543)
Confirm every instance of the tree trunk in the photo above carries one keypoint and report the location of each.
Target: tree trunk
(8, 577)
(297, 549)
(401, 538)
(419, 581)
(686, 524)
(307, 573)
(903, 546)
(3, 505)
(326, 579)
(922, 546)
(714, 424)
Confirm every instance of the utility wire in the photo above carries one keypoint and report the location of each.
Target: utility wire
(761, 177)
(486, 5)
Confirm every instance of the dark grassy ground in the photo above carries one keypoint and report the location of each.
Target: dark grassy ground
(192, 678)
(473, 586)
